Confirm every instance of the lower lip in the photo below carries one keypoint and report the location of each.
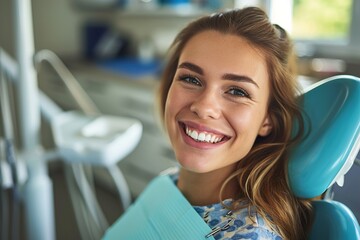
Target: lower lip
(196, 144)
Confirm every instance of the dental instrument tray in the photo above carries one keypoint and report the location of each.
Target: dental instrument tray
(99, 140)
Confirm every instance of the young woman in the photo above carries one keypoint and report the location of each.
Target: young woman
(228, 98)
(228, 103)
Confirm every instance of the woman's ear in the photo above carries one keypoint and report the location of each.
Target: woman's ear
(266, 127)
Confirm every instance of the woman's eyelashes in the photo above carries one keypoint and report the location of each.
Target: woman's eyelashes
(238, 92)
(190, 79)
(233, 91)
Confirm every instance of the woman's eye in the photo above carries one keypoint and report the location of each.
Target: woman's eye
(238, 92)
(190, 80)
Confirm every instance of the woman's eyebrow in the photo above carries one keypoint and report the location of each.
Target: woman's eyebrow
(226, 76)
(192, 67)
(239, 78)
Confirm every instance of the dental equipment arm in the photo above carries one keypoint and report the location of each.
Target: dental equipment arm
(77, 92)
(54, 114)
(38, 189)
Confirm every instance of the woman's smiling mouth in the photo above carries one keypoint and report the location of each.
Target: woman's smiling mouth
(202, 136)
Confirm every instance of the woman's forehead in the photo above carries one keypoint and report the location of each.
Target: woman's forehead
(224, 53)
(231, 45)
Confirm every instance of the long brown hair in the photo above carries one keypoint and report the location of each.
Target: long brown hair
(262, 174)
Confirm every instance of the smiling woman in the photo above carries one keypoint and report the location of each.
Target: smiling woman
(231, 75)
(220, 77)
(228, 103)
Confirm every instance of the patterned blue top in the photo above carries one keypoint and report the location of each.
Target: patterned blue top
(234, 225)
(241, 226)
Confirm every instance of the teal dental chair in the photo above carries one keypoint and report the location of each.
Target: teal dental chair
(327, 153)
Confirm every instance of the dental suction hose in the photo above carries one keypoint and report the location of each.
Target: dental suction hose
(10, 154)
(76, 91)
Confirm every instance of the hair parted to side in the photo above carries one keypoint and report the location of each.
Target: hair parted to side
(262, 174)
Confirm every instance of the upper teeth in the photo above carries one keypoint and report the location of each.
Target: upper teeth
(202, 136)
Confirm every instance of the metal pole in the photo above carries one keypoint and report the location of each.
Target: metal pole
(38, 191)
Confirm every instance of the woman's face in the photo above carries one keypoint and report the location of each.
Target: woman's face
(217, 103)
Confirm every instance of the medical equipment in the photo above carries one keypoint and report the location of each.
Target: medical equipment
(327, 152)
(10, 156)
(91, 139)
(37, 194)
(334, 134)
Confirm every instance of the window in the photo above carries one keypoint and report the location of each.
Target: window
(321, 19)
(325, 28)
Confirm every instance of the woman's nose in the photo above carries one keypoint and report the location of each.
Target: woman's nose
(206, 106)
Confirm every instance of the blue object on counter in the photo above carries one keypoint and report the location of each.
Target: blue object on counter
(174, 2)
(132, 67)
(101, 42)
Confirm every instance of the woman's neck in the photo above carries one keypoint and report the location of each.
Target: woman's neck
(202, 189)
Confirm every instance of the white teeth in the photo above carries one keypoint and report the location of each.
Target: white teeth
(202, 137)
(194, 135)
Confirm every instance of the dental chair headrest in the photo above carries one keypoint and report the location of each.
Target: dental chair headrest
(330, 148)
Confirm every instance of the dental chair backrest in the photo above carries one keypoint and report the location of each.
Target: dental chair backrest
(327, 153)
